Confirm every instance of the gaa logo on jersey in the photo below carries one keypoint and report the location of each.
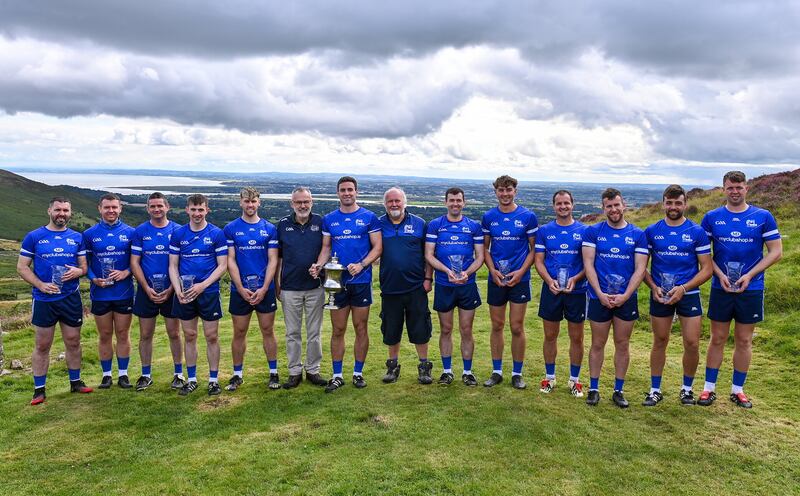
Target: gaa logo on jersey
(735, 234)
(658, 236)
(686, 238)
(495, 223)
(552, 236)
(239, 233)
(506, 233)
(196, 250)
(614, 250)
(672, 247)
(184, 242)
(206, 240)
(147, 238)
(58, 250)
(94, 240)
(564, 246)
(346, 231)
(628, 240)
(334, 224)
(251, 242)
(751, 223)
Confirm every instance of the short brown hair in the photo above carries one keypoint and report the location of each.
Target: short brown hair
(249, 193)
(197, 199)
(610, 194)
(563, 192)
(59, 199)
(109, 197)
(157, 196)
(347, 179)
(454, 191)
(504, 181)
(673, 192)
(734, 177)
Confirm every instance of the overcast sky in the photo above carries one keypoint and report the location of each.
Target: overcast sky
(626, 91)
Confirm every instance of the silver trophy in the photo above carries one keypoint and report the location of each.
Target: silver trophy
(457, 265)
(667, 283)
(333, 280)
(734, 271)
(562, 276)
(57, 277)
(614, 283)
(504, 266)
(107, 266)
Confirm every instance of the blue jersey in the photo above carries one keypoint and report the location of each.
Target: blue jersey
(251, 243)
(561, 246)
(51, 248)
(104, 241)
(350, 242)
(198, 252)
(674, 250)
(509, 234)
(403, 259)
(151, 243)
(454, 238)
(299, 247)
(740, 237)
(614, 252)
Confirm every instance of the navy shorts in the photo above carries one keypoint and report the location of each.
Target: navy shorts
(498, 296)
(746, 307)
(124, 306)
(207, 306)
(598, 313)
(239, 306)
(555, 308)
(144, 308)
(411, 308)
(354, 295)
(68, 310)
(688, 306)
(464, 296)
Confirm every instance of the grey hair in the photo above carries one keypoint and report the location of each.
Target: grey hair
(395, 188)
(301, 189)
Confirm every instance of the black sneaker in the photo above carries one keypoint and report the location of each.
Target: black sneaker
(214, 388)
(38, 396)
(686, 397)
(493, 380)
(619, 399)
(233, 383)
(105, 382)
(707, 398)
(424, 370)
(469, 380)
(293, 382)
(79, 387)
(593, 398)
(188, 387)
(741, 400)
(316, 379)
(274, 382)
(446, 378)
(517, 382)
(392, 371)
(143, 383)
(334, 384)
(652, 399)
(359, 382)
(177, 381)
(124, 382)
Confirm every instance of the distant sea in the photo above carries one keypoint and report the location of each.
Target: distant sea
(116, 183)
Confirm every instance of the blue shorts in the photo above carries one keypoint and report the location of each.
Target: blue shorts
(598, 313)
(68, 310)
(124, 306)
(746, 307)
(498, 296)
(465, 297)
(555, 308)
(144, 308)
(239, 306)
(688, 306)
(207, 306)
(354, 295)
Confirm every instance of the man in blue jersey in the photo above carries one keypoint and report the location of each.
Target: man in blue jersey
(108, 252)
(454, 248)
(563, 295)
(509, 233)
(677, 247)
(252, 259)
(58, 256)
(301, 295)
(405, 283)
(615, 259)
(150, 267)
(353, 234)
(198, 256)
(738, 233)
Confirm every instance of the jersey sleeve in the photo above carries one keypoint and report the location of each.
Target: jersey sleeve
(477, 234)
(228, 232)
(81, 245)
(220, 244)
(175, 242)
(702, 243)
(770, 228)
(431, 234)
(706, 224)
(485, 224)
(648, 234)
(28, 247)
(641, 244)
(533, 226)
(590, 237)
(272, 237)
(136, 242)
(540, 247)
(374, 223)
(326, 227)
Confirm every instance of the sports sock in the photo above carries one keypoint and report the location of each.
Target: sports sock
(273, 366)
(212, 375)
(594, 383)
(687, 383)
(711, 379)
(337, 368)
(74, 374)
(191, 371)
(39, 381)
(145, 370)
(497, 366)
(574, 372)
(619, 384)
(467, 365)
(516, 368)
(447, 364)
(238, 370)
(738, 381)
(655, 383)
(550, 371)
(177, 368)
(358, 367)
(106, 366)
(122, 365)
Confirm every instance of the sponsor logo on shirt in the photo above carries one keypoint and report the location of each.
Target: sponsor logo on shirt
(735, 234)
(159, 247)
(251, 242)
(111, 247)
(506, 233)
(614, 249)
(564, 246)
(196, 250)
(58, 249)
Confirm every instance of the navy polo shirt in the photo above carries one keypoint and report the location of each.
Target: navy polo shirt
(403, 259)
(299, 247)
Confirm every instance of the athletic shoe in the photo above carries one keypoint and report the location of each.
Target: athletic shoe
(359, 382)
(707, 398)
(274, 382)
(493, 380)
(468, 380)
(106, 382)
(652, 399)
(517, 382)
(214, 389)
(334, 384)
(177, 381)
(143, 383)
(188, 387)
(686, 397)
(593, 398)
(392, 371)
(293, 382)
(124, 382)
(547, 385)
(38, 396)
(424, 372)
(233, 383)
(619, 399)
(79, 387)
(575, 389)
(741, 400)
(446, 378)
(316, 379)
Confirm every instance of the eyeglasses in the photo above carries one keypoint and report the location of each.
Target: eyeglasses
(301, 202)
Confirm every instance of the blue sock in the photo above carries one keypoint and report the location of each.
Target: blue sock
(106, 366)
(594, 383)
(178, 368)
(739, 378)
(550, 369)
(516, 367)
(467, 363)
(711, 375)
(212, 375)
(122, 362)
(618, 384)
(655, 382)
(146, 370)
(447, 362)
(238, 368)
(497, 365)
(39, 381)
(337, 367)
(74, 374)
(574, 370)
(273, 364)
(191, 371)
(423, 359)
(358, 367)
(688, 381)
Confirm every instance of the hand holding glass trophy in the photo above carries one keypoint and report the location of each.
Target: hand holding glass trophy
(158, 283)
(667, 284)
(504, 266)
(187, 281)
(57, 277)
(333, 281)
(562, 277)
(614, 283)
(457, 265)
(734, 272)
(107, 267)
